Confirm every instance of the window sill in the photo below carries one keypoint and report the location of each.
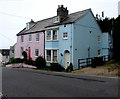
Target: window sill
(37, 41)
(65, 38)
(51, 62)
(51, 40)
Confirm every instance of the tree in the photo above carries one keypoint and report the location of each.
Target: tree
(108, 25)
(116, 39)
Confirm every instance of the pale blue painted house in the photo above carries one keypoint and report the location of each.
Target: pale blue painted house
(71, 37)
(107, 44)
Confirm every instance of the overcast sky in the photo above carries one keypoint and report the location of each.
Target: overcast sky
(14, 14)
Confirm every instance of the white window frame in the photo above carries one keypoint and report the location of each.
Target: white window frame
(37, 38)
(51, 35)
(56, 19)
(30, 38)
(56, 31)
(35, 52)
(47, 56)
(65, 35)
(55, 56)
(52, 56)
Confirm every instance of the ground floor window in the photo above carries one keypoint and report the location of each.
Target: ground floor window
(36, 52)
(51, 55)
(48, 54)
(22, 49)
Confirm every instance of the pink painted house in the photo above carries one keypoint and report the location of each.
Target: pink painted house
(31, 39)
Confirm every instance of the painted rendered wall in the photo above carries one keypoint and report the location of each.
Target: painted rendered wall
(32, 44)
(79, 40)
(65, 44)
(107, 44)
(86, 32)
(61, 44)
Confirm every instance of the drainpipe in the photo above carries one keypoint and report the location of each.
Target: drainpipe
(71, 47)
(44, 43)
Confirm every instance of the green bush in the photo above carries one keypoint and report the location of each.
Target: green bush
(69, 68)
(97, 61)
(40, 62)
(56, 67)
(16, 60)
(29, 62)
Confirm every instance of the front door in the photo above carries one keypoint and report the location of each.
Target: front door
(67, 58)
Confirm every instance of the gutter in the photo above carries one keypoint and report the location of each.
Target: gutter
(31, 32)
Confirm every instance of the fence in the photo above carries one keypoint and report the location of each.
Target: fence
(88, 61)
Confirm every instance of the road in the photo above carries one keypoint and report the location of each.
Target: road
(34, 83)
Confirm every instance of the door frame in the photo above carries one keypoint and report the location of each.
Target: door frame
(66, 58)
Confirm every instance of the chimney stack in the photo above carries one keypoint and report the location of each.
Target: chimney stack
(62, 12)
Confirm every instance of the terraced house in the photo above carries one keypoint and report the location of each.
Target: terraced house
(62, 39)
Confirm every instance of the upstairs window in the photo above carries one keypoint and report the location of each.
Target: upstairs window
(52, 35)
(48, 35)
(65, 35)
(30, 38)
(37, 37)
(22, 38)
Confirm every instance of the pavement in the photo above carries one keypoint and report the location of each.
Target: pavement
(20, 65)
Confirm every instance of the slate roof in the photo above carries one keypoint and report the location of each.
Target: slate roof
(41, 25)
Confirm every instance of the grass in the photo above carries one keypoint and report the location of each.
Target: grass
(111, 68)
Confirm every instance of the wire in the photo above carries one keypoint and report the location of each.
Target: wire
(14, 15)
(6, 37)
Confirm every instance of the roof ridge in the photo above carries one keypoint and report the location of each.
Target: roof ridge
(68, 14)
(71, 18)
(46, 19)
(80, 11)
